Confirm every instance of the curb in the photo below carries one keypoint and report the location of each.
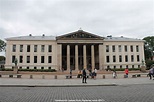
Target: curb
(58, 85)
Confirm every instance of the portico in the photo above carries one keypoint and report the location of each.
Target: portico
(79, 50)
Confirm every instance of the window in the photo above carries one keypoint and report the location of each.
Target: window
(42, 48)
(27, 67)
(131, 48)
(21, 59)
(120, 58)
(119, 47)
(126, 66)
(35, 48)
(132, 58)
(114, 58)
(137, 48)
(35, 67)
(50, 48)
(138, 58)
(107, 48)
(28, 59)
(49, 67)
(125, 48)
(42, 59)
(126, 58)
(13, 59)
(21, 48)
(114, 67)
(35, 59)
(14, 48)
(120, 66)
(113, 48)
(132, 66)
(28, 48)
(107, 59)
(42, 67)
(138, 66)
(20, 67)
(49, 59)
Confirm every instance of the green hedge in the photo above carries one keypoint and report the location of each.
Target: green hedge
(130, 69)
(3, 69)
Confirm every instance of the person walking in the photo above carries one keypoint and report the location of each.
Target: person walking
(114, 74)
(95, 73)
(126, 72)
(151, 73)
(84, 76)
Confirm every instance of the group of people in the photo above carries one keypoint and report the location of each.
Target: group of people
(93, 74)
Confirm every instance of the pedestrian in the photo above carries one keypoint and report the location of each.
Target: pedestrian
(84, 76)
(114, 74)
(150, 73)
(126, 72)
(95, 73)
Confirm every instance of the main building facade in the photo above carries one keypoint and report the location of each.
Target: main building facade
(76, 50)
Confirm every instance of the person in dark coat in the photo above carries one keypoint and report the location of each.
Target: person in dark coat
(84, 76)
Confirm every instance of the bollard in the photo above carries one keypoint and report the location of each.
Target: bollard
(31, 76)
(43, 77)
(18, 76)
(125, 76)
(55, 76)
(11, 76)
(103, 76)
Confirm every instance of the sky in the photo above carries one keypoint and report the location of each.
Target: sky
(128, 18)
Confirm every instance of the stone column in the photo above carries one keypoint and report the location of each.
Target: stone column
(100, 56)
(84, 57)
(76, 57)
(59, 57)
(68, 57)
(92, 57)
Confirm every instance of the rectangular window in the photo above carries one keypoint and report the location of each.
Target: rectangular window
(131, 48)
(50, 48)
(119, 47)
(120, 58)
(35, 59)
(125, 48)
(21, 59)
(114, 58)
(42, 59)
(49, 59)
(28, 59)
(132, 66)
(42, 67)
(126, 58)
(120, 66)
(107, 48)
(107, 59)
(113, 48)
(35, 48)
(132, 58)
(21, 48)
(137, 48)
(14, 48)
(13, 59)
(28, 48)
(138, 58)
(35, 67)
(42, 48)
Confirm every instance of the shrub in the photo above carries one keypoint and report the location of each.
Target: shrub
(38, 70)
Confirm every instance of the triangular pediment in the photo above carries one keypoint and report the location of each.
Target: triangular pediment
(80, 34)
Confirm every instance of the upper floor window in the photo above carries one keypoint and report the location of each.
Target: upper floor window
(13, 59)
(113, 48)
(125, 48)
(35, 48)
(14, 48)
(35, 59)
(137, 48)
(132, 58)
(28, 59)
(21, 48)
(49, 59)
(50, 48)
(120, 58)
(28, 48)
(119, 47)
(42, 59)
(42, 48)
(126, 58)
(131, 48)
(138, 58)
(21, 59)
(107, 48)
(114, 58)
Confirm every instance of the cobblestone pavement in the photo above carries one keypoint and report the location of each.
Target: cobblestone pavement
(121, 93)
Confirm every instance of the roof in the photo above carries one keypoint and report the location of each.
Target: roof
(110, 38)
(30, 37)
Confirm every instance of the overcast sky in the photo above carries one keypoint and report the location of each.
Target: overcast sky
(128, 18)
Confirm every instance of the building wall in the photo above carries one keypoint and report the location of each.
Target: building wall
(123, 53)
(31, 65)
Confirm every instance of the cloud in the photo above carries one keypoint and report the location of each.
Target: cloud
(132, 18)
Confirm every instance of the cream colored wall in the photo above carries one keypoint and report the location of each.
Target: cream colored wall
(31, 65)
(123, 53)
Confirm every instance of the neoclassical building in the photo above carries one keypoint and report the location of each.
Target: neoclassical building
(76, 50)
